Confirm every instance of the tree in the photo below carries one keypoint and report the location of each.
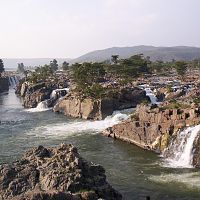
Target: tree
(65, 65)
(114, 58)
(87, 77)
(180, 67)
(54, 65)
(1, 67)
(21, 69)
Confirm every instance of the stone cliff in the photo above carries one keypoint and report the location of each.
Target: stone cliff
(54, 174)
(152, 128)
(75, 105)
(4, 84)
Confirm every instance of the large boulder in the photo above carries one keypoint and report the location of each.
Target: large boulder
(86, 108)
(54, 174)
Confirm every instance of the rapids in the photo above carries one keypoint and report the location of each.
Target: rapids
(134, 172)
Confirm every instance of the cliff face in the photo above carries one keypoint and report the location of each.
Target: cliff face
(54, 174)
(4, 84)
(152, 128)
(87, 108)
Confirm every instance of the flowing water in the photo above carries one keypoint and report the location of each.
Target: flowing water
(180, 151)
(134, 172)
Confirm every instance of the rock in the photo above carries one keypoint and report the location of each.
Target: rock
(34, 96)
(152, 128)
(54, 173)
(86, 108)
(4, 84)
(89, 108)
(23, 89)
(196, 154)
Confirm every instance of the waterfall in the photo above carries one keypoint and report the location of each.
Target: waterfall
(57, 93)
(13, 81)
(42, 106)
(180, 151)
(151, 95)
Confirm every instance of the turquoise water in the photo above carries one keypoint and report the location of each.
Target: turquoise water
(134, 172)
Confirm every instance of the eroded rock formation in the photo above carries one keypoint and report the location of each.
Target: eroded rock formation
(77, 106)
(152, 128)
(54, 174)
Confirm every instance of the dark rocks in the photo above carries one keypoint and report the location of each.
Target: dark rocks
(4, 84)
(54, 173)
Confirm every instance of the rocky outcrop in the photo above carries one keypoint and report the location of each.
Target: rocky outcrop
(86, 108)
(152, 128)
(4, 84)
(77, 106)
(32, 98)
(54, 174)
(33, 94)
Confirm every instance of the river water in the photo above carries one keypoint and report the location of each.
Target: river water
(134, 172)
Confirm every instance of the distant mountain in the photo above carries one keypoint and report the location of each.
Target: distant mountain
(155, 53)
(11, 63)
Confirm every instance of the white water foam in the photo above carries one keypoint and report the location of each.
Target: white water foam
(54, 92)
(151, 95)
(77, 127)
(181, 149)
(42, 106)
(190, 180)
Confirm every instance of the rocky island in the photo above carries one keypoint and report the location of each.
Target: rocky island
(54, 174)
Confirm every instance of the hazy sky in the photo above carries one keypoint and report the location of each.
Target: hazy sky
(70, 28)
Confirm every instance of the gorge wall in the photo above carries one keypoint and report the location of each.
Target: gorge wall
(4, 84)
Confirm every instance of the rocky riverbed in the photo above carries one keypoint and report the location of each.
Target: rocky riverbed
(54, 173)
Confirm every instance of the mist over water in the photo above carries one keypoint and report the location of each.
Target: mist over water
(132, 171)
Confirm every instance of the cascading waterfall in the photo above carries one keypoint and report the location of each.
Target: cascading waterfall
(180, 152)
(13, 81)
(42, 106)
(151, 95)
(57, 93)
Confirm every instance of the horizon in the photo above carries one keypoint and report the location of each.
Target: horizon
(66, 29)
(101, 50)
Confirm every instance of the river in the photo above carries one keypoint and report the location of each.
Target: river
(134, 172)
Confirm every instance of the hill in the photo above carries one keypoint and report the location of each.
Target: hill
(155, 53)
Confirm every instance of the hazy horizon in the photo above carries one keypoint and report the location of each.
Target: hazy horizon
(66, 29)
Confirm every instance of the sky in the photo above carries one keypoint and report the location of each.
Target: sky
(71, 28)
